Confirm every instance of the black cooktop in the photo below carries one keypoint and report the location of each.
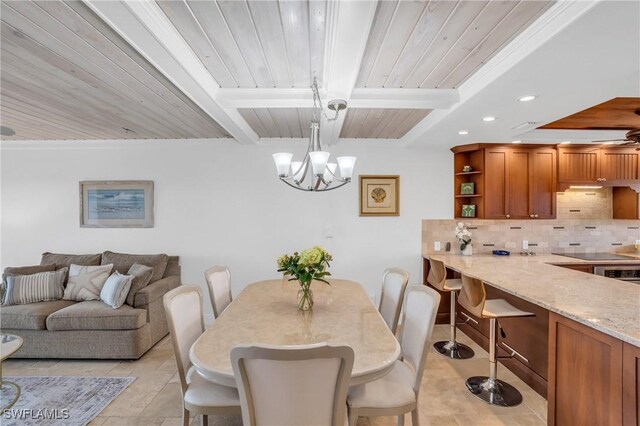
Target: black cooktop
(595, 256)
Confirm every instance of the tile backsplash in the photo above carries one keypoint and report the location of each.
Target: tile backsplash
(585, 204)
(544, 236)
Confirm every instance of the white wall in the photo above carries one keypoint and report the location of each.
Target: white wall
(217, 202)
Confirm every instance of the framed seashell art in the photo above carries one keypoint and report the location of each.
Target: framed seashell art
(379, 195)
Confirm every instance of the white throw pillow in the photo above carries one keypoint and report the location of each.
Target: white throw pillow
(115, 289)
(85, 282)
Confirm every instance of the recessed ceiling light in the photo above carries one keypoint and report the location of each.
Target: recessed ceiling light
(565, 143)
(488, 118)
(516, 141)
(526, 98)
(609, 143)
(463, 132)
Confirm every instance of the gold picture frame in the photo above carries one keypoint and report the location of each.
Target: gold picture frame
(379, 195)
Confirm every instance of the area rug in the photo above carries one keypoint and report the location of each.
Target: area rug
(60, 400)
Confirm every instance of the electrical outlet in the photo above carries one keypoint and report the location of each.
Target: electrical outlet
(525, 245)
(436, 246)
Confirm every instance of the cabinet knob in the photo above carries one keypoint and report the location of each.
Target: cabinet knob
(604, 179)
(508, 216)
(531, 216)
(536, 216)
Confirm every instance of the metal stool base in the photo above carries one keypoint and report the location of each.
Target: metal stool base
(494, 392)
(453, 350)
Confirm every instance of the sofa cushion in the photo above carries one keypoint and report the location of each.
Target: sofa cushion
(32, 316)
(115, 290)
(123, 261)
(86, 282)
(95, 315)
(40, 287)
(62, 260)
(141, 278)
(10, 271)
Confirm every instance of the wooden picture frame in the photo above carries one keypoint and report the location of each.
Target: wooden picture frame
(116, 204)
(379, 195)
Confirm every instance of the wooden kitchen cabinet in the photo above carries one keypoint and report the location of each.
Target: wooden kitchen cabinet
(520, 183)
(619, 165)
(578, 166)
(587, 165)
(586, 376)
(626, 203)
(630, 385)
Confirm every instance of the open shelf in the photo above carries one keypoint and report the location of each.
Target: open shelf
(475, 172)
(475, 159)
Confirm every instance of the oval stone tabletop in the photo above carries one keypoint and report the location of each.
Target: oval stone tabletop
(266, 312)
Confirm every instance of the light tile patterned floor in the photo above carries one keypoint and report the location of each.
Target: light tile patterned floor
(154, 398)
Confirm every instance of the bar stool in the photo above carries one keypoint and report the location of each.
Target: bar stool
(473, 297)
(438, 278)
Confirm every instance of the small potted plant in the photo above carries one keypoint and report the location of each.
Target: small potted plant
(305, 267)
(463, 235)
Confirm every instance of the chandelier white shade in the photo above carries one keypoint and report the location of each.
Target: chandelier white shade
(315, 172)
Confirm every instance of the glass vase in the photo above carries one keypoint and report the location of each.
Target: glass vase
(305, 299)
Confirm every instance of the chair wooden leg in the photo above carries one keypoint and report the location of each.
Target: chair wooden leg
(401, 420)
(415, 421)
(204, 420)
(185, 417)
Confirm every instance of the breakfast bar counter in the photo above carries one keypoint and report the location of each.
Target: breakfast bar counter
(607, 305)
(582, 346)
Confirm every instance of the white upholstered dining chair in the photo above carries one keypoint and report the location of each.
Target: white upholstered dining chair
(293, 385)
(219, 284)
(183, 308)
(397, 392)
(394, 283)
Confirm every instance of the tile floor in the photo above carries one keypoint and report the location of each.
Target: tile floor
(154, 398)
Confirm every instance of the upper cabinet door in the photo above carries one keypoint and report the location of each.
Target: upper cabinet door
(496, 175)
(543, 183)
(578, 165)
(519, 184)
(619, 165)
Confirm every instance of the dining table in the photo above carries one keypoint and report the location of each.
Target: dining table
(266, 313)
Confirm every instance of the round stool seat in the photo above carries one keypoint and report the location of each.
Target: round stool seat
(500, 308)
(453, 284)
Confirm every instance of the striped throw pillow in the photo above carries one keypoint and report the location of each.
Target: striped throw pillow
(40, 287)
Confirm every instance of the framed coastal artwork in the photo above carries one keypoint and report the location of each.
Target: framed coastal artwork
(116, 204)
(379, 195)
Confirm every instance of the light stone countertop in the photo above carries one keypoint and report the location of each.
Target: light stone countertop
(605, 304)
(267, 312)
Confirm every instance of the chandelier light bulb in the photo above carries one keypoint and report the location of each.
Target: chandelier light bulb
(346, 166)
(319, 162)
(283, 161)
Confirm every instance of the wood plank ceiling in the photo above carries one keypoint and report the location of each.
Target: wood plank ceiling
(381, 123)
(439, 44)
(278, 122)
(67, 75)
(614, 114)
(254, 43)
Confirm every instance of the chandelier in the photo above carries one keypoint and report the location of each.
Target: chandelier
(315, 173)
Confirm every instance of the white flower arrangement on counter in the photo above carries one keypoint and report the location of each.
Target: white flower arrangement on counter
(463, 235)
